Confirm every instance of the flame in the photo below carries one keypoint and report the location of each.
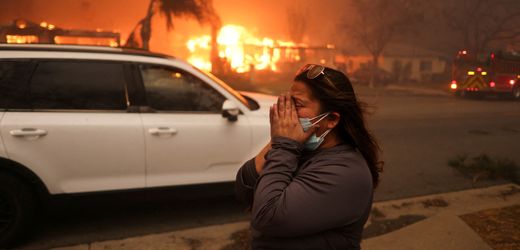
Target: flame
(242, 50)
(21, 24)
(98, 41)
(47, 25)
(21, 39)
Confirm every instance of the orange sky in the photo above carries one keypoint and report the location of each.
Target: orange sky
(262, 17)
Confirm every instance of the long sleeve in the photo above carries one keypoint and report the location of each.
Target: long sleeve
(245, 182)
(322, 197)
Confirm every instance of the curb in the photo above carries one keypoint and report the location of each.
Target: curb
(440, 210)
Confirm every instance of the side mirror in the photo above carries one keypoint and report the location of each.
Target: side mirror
(230, 111)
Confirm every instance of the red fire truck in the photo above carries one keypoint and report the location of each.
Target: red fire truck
(498, 73)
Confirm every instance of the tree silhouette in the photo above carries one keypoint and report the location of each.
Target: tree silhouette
(200, 10)
(376, 23)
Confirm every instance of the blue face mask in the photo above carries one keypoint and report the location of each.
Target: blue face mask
(314, 141)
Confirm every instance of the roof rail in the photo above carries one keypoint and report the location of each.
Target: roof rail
(82, 48)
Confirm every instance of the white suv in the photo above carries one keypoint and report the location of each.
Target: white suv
(77, 119)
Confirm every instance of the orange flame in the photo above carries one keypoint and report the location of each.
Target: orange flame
(21, 39)
(242, 50)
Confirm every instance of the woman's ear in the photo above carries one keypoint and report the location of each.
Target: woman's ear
(333, 119)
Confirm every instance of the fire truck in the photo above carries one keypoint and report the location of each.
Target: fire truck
(497, 73)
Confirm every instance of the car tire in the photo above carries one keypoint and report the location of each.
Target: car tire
(18, 207)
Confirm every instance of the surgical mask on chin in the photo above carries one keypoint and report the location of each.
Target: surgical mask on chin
(314, 141)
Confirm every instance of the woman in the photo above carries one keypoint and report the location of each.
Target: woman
(311, 187)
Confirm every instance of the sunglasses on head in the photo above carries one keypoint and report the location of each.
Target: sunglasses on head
(315, 70)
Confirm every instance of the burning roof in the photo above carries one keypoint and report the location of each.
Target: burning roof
(24, 31)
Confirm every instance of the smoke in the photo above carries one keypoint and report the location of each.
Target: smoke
(261, 17)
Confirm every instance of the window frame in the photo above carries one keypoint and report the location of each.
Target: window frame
(126, 74)
(149, 109)
(27, 80)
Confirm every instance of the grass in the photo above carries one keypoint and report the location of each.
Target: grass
(484, 166)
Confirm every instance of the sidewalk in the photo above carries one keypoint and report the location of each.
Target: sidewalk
(443, 231)
(438, 225)
(443, 228)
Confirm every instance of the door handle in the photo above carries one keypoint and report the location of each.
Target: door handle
(162, 131)
(28, 132)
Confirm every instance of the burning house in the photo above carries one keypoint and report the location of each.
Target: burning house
(24, 31)
(240, 51)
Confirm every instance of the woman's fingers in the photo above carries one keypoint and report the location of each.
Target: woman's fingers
(288, 106)
(281, 106)
(275, 112)
(271, 110)
(294, 113)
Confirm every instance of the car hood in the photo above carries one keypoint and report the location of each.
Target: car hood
(263, 100)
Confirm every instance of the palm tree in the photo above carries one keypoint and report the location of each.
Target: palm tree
(201, 10)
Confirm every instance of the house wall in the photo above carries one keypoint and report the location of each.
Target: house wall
(431, 66)
(422, 68)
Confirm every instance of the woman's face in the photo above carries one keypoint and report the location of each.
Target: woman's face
(306, 105)
(309, 107)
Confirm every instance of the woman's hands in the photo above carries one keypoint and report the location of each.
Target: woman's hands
(285, 122)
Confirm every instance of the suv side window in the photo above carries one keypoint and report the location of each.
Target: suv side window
(74, 84)
(14, 79)
(169, 89)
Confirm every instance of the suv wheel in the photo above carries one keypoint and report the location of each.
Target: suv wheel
(17, 210)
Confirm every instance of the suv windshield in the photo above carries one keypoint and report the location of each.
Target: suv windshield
(237, 95)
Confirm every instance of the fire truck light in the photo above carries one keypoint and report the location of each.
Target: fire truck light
(512, 82)
(492, 84)
(50, 26)
(471, 73)
(484, 73)
(464, 52)
(43, 24)
(479, 69)
(453, 85)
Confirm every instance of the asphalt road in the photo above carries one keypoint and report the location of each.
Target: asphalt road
(418, 134)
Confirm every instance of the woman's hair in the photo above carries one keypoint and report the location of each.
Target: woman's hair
(351, 127)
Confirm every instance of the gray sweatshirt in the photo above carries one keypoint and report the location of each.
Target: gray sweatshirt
(307, 199)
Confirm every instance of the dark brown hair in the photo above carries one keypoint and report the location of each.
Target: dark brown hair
(352, 125)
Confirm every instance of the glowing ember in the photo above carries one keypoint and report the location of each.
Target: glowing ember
(21, 39)
(98, 41)
(242, 50)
